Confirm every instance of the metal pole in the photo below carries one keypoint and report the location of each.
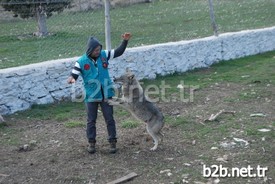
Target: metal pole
(212, 16)
(107, 25)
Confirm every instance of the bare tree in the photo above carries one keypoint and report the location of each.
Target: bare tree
(212, 16)
(40, 9)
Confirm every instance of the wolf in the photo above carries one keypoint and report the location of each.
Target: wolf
(134, 100)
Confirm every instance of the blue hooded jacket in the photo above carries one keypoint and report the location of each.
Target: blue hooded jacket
(97, 82)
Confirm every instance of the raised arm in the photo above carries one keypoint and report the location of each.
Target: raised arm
(120, 50)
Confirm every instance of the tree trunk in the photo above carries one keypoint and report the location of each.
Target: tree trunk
(212, 16)
(41, 22)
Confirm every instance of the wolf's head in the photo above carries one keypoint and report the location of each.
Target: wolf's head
(127, 79)
(130, 85)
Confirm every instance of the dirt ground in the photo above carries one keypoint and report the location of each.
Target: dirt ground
(58, 154)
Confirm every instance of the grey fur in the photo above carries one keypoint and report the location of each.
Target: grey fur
(134, 100)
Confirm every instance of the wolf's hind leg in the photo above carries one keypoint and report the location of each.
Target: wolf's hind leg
(154, 136)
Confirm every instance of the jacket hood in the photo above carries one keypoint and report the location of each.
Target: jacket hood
(92, 44)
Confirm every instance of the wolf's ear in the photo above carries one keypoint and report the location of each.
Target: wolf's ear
(128, 70)
(130, 74)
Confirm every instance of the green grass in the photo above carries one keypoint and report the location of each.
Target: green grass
(8, 138)
(176, 121)
(150, 23)
(121, 112)
(59, 111)
(128, 124)
(74, 124)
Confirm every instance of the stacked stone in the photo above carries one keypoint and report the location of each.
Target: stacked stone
(46, 82)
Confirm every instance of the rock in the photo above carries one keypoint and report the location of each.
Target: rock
(169, 174)
(165, 171)
(4, 109)
(198, 182)
(54, 141)
(45, 100)
(241, 141)
(26, 85)
(184, 181)
(33, 142)
(60, 95)
(175, 112)
(223, 159)
(228, 145)
(170, 159)
(28, 147)
(185, 176)
(152, 76)
(18, 106)
(264, 130)
(51, 85)
(180, 86)
(25, 147)
(39, 91)
(213, 181)
(258, 115)
(1, 119)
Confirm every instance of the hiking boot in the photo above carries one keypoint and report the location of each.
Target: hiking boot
(91, 148)
(112, 147)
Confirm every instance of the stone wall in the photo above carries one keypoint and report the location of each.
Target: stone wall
(44, 83)
(84, 5)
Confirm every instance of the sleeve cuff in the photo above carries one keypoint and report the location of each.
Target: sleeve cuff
(74, 76)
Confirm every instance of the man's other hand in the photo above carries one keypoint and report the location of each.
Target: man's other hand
(71, 80)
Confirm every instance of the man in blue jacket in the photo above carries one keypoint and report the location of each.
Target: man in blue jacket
(93, 67)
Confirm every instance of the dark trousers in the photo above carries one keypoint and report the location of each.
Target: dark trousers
(107, 111)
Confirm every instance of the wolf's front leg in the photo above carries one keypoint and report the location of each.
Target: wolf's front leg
(112, 102)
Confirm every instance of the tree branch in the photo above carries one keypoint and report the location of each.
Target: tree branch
(214, 117)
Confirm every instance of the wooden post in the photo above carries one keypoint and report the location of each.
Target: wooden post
(107, 25)
(212, 16)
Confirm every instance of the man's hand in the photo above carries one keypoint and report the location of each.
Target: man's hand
(126, 36)
(71, 80)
